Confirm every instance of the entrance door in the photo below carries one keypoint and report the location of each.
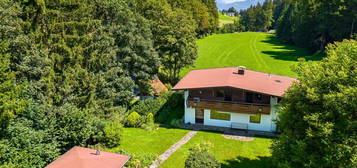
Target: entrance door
(199, 116)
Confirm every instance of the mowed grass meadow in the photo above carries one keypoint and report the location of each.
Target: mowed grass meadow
(230, 153)
(254, 50)
(224, 19)
(140, 141)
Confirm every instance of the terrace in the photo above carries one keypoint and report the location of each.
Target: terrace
(230, 100)
(230, 106)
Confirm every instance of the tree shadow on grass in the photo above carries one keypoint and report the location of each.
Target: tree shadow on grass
(242, 162)
(288, 52)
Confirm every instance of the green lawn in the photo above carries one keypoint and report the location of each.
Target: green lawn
(139, 141)
(254, 50)
(224, 19)
(231, 153)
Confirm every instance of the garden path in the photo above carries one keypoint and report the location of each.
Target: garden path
(172, 149)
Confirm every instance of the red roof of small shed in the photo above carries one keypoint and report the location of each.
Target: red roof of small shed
(266, 83)
(79, 157)
(158, 86)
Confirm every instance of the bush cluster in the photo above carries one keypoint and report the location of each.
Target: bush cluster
(112, 134)
(200, 157)
(167, 108)
(138, 160)
(133, 120)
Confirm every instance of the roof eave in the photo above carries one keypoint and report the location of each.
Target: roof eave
(277, 95)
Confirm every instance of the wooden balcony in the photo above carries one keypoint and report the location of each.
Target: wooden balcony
(229, 106)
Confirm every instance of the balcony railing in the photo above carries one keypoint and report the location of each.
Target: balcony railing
(229, 106)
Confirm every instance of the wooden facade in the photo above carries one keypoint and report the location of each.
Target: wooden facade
(229, 100)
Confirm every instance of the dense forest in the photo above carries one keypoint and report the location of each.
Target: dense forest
(307, 23)
(69, 68)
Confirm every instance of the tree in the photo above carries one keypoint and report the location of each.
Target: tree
(232, 10)
(204, 13)
(11, 101)
(258, 17)
(285, 26)
(178, 48)
(214, 17)
(174, 36)
(318, 116)
(80, 62)
(27, 147)
(232, 27)
(316, 23)
(249, 19)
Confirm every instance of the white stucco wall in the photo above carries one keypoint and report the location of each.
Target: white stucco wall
(264, 125)
(189, 112)
(266, 122)
(273, 111)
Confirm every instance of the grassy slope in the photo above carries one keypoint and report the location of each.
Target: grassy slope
(140, 141)
(256, 51)
(224, 19)
(231, 153)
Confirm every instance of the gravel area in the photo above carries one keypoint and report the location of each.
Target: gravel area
(238, 137)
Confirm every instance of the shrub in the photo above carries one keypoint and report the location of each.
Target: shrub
(150, 105)
(176, 123)
(150, 126)
(134, 119)
(149, 118)
(26, 146)
(119, 116)
(166, 107)
(138, 160)
(201, 158)
(173, 108)
(141, 160)
(112, 134)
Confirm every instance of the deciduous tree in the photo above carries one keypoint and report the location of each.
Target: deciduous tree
(318, 116)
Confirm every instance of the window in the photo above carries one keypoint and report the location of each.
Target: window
(249, 97)
(259, 96)
(255, 118)
(220, 93)
(220, 116)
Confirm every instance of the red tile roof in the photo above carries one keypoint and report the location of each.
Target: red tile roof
(79, 157)
(270, 84)
(158, 86)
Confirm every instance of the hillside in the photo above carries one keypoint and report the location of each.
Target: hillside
(256, 51)
(224, 19)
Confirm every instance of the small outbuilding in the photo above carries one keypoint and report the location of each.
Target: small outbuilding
(158, 86)
(79, 157)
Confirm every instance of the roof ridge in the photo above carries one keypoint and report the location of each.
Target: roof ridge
(238, 67)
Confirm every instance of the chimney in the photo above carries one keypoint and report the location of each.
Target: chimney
(241, 70)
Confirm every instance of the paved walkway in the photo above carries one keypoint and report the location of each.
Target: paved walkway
(226, 130)
(173, 148)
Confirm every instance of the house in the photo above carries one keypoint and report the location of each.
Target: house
(79, 157)
(231, 14)
(233, 97)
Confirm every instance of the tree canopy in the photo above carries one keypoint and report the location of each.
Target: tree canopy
(314, 24)
(318, 116)
(69, 67)
(308, 23)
